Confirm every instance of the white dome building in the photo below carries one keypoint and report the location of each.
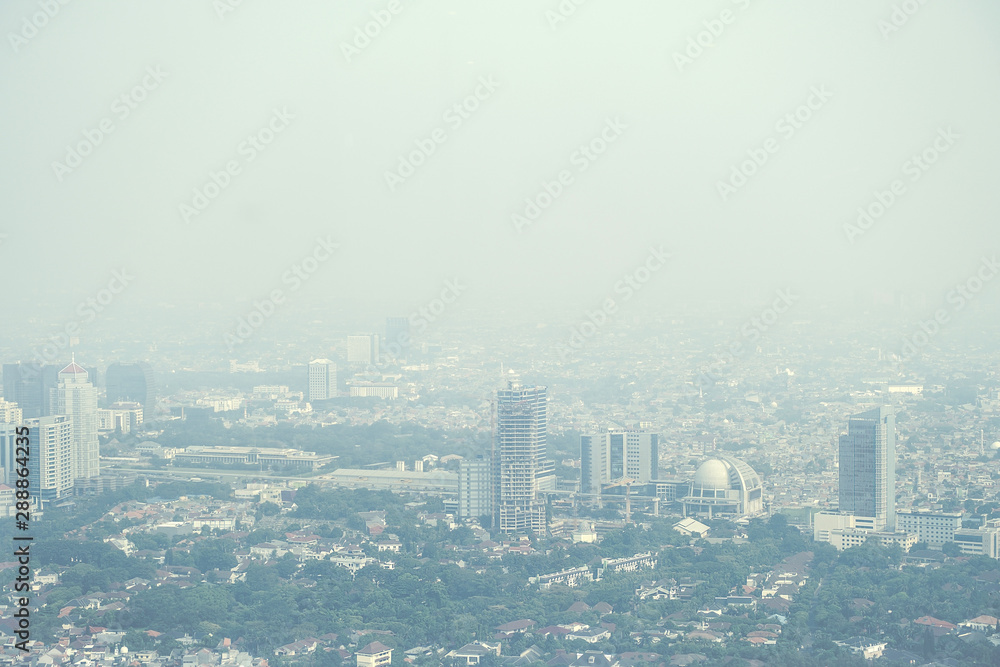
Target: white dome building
(724, 486)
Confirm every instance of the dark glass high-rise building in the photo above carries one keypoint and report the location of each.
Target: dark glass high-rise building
(397, 336)
(868, 468)
(520, 450)
(134, 383)
(29, 385)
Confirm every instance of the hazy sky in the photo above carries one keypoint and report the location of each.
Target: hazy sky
(198, 80)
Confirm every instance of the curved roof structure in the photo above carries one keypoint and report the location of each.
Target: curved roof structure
(724, 484)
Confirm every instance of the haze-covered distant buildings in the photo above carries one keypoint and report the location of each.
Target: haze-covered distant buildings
(363, 349)
(29, 386)
(131, 383)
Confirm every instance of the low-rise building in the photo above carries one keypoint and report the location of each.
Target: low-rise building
(375, 654)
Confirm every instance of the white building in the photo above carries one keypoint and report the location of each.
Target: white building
(50, 469)
(76, 397)
(322, 379)
(845, 538)
(9, 412)
(120, 417)
(724, 485)
(475, 488)
(374, 390)
(934, 528)
(979, 541)
(607, 457)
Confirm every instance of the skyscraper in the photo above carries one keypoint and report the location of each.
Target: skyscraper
(76, 398)
(131, 383)
(322, 380)
(868, 469)
(363, 350)
(397, 337)
(520, 450)
(50, 472)
(29, 385)
(606, 457)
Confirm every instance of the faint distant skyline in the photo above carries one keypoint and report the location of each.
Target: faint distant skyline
(169, 106)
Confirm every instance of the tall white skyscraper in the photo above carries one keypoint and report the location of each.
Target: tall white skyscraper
(76, 398)
(50, 467)
(322, 380)
(520, 458)
(868, 468)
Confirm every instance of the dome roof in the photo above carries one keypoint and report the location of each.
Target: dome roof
(712, 474)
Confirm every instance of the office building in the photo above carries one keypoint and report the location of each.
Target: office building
(373, 390)
(363, 350)
(131, 383)
(608, 457)
(867, 486)
(934, 528)
(519, 453)
(75, 397)
(50, 469)
(475, 488)
(29, 385)
(322, 379)
(983, 541)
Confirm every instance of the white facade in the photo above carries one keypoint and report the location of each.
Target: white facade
(826, 522)
(322, 379)
(76, 397)
(374, 390)
(724, 486)
(608, 457)
(50, 464)
(979, 541)
(934, 528)
(9, 412)
(475, 488)
(852, 537)
(121, 417)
